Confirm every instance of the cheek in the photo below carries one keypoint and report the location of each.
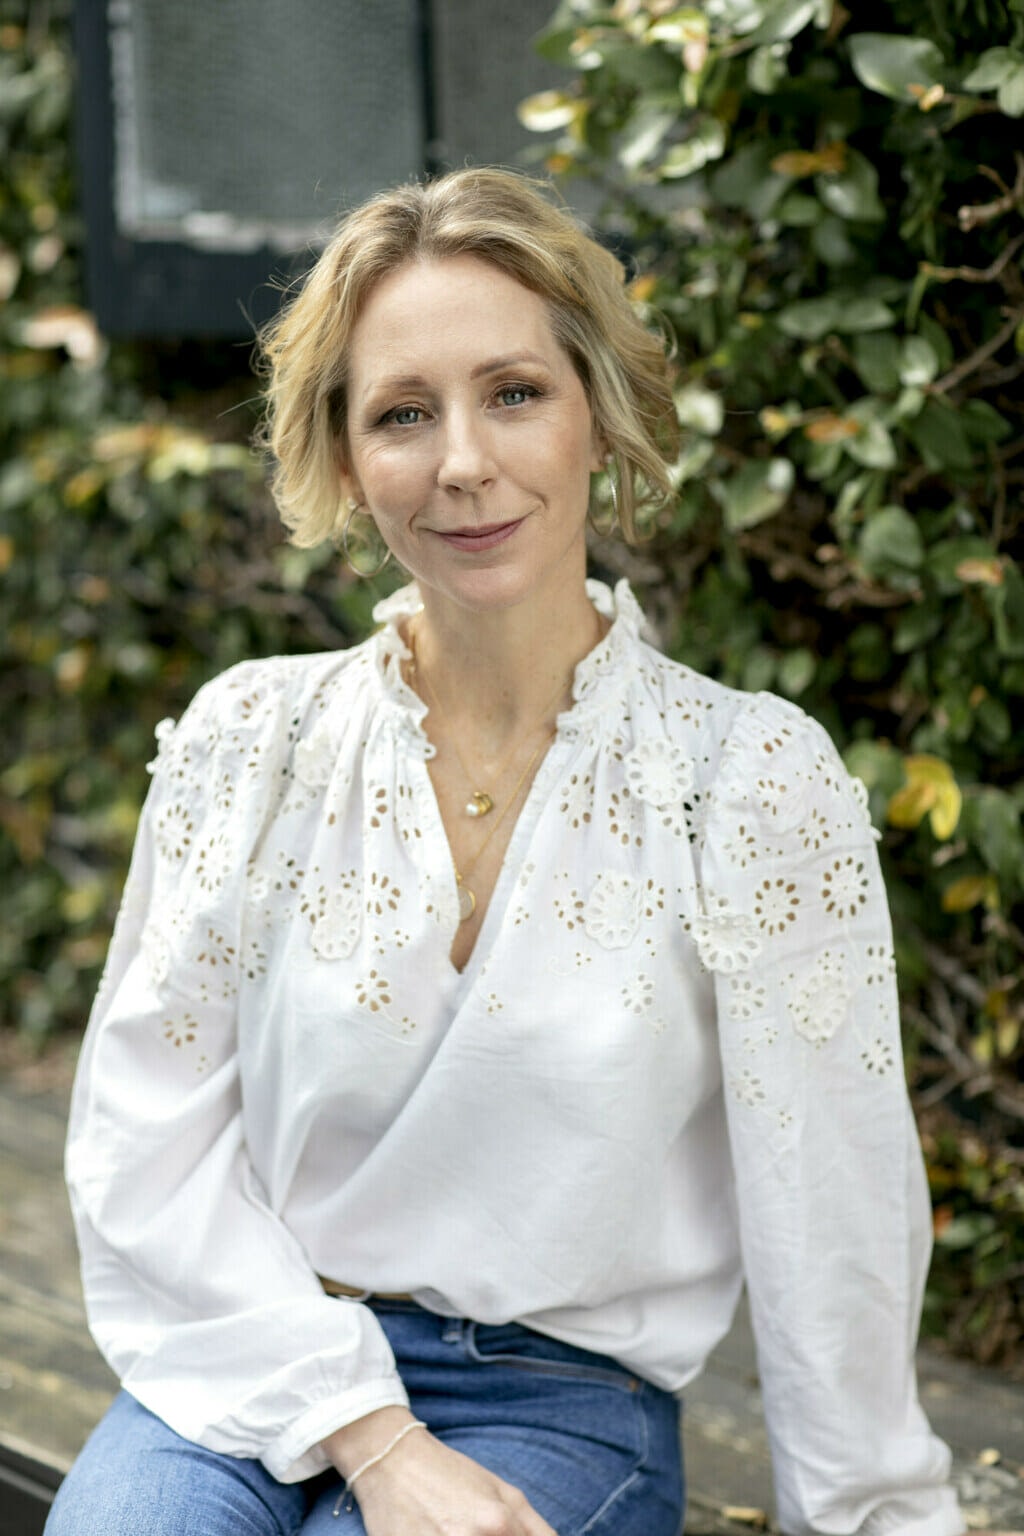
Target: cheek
(390, 480)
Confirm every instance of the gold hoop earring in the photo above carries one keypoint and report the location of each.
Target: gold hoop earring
(355, 562)
(606, 525)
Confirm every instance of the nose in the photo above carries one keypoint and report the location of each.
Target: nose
(467, 462)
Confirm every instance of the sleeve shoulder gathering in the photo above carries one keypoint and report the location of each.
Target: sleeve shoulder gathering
(197, 1294)
(833, 1205)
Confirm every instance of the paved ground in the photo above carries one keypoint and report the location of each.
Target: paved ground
(53, 1385)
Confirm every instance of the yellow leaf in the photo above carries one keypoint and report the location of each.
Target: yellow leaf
(642, 288)
(927, 97)
(82, 902)
(6, 552)
(807, 162)
(1007, 1037)
(83, 486)
(986, 573)
(71, 668)
(971, 891)
(831, 429)
(930, 790)
(774, 422)
(910, 805)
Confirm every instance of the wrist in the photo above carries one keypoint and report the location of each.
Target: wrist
(354, 1443)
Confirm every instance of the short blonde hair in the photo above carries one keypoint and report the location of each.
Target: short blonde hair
(503, 218)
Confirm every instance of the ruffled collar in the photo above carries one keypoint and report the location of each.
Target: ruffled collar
(600, 679)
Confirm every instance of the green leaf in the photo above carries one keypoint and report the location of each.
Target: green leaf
(853, 193)
(993, 67)
(891, 64)
(947, 556)
(798, 211)
(708, 143)
(796, 671)
(700, 409)
(877, 359)
(644, 134)
(1007, 606)
(785, 18)
(832, 243)
(1010, 94)
(747, 181)
(891, 543)
(873, 446)
(918, 363)
(993, 822)
(548, 110)
(812, 319)
(917, 626)
(938, 435)
(757, 490)
(766, 68)
(983, 422)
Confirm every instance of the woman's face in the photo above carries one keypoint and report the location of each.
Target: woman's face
(469, 439)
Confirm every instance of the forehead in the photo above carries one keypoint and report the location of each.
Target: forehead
(448, 310)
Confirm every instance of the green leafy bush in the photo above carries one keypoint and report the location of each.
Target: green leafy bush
(827, 210)
(139, 555)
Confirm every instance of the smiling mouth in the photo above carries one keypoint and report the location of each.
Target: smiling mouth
(485, 537)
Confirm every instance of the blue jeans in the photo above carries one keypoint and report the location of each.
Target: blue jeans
(595, 1450)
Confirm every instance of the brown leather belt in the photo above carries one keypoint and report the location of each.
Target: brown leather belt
(359, 1293)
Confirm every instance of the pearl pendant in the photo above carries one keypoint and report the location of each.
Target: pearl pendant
(479, 804)
(467, 901)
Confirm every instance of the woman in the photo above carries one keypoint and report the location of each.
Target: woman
(486, 999)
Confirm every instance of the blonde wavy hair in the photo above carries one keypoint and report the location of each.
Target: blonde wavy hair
(503, 218)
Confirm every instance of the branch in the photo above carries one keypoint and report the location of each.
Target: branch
(970, 216)
(983, 353)
(974, 274)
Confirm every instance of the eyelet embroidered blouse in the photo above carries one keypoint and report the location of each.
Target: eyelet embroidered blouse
(672, 1061)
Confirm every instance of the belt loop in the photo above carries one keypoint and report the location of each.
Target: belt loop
(454, 1330)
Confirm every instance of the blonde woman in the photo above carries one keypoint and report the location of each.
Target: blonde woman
(490, 1000)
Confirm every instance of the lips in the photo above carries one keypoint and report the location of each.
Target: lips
(478, 539)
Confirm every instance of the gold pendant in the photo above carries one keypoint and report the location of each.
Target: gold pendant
(467, 901)
(480, 803)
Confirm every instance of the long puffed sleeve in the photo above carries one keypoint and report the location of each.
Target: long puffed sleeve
(197, 1294)
(834, 1214)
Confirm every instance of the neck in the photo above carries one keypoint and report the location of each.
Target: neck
(494, 673)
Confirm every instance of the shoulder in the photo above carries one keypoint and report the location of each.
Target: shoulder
(257, 710)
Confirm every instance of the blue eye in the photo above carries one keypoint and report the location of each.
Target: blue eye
(521, 392)
(404, 415)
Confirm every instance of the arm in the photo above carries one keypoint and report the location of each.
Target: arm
(197, 1293)
(834, 1213)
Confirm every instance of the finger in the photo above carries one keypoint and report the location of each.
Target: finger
(532, 1523)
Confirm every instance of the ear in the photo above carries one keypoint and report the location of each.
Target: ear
(350, 487)
(600, 454)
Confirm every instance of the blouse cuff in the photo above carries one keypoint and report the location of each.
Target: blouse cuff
(932, 1512)
(298, 1454)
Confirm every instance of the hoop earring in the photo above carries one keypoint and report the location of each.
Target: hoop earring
(604, 527)
(365, 571)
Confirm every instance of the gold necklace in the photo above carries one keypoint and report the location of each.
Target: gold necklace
(480, 803)
(467, 896)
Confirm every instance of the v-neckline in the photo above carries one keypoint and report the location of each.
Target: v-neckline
(522, 832)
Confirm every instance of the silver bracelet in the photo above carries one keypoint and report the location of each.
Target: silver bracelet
(346, 1486)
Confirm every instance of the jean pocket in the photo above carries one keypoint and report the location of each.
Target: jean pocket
(511, 1344)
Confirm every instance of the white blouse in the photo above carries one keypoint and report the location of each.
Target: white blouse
(672, 1062)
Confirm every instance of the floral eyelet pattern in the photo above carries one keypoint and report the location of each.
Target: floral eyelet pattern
(613, 910)
(659, 772)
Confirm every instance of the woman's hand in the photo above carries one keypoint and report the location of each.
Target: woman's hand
(424, 1488)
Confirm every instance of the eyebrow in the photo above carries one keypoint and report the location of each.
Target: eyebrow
(492, 365)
